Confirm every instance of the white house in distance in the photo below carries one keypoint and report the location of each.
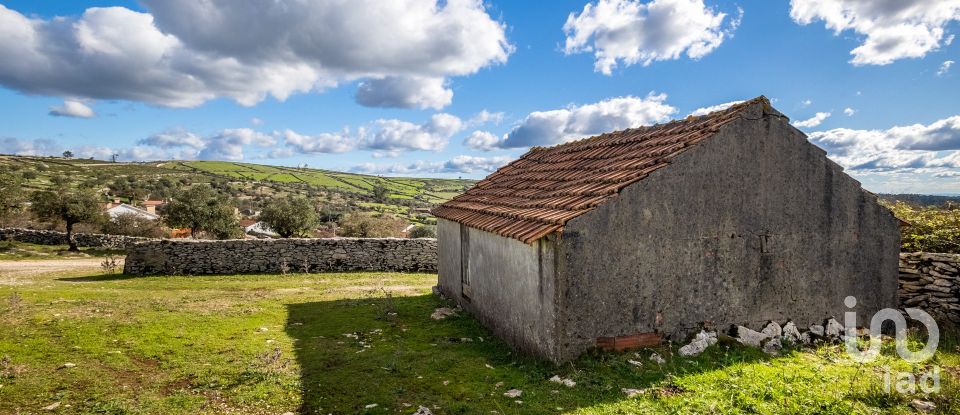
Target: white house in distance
(116, 209)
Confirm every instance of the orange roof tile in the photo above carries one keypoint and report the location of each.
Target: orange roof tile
(538, 193)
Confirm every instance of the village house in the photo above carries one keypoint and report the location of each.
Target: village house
(116, 209)
(648, 234)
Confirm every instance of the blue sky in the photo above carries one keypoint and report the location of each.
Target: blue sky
(185, 79)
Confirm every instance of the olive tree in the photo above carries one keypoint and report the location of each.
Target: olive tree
(290, 216)
(11, 193)
(71, 206)
(201, 209)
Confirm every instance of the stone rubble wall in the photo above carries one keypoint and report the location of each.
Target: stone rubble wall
(92, 240)
(190, 257)
(931, 282)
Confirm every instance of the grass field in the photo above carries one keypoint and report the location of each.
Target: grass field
(365, 343)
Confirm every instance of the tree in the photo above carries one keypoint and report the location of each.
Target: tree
(380, 193)
(131, 224)
(67, 154)
(71, 206)
(11, 193)
(358, 225)
(202, 210)
(290, 216)
(422, 231)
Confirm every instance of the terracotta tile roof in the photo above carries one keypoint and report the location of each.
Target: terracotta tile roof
(538, 193)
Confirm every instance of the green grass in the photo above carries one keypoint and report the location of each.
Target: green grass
(335, 343)
(10, 250)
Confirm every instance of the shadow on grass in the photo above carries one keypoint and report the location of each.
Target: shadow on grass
(98, 278)
(389, 352)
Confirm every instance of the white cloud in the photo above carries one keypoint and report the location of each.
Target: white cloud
(459, 164)
(849, 111)
(901, 148)
(256, 121)
(340, 142)
(405, 92)
(482, 140)
(486, 117)
(713, 108)
(227, 144)
(944, 68)
(183, 53)
(814, 121)
(893, 30)
(73, 108)
(396, 135)
(543, 128)
(173, 139)
(629, 32)
(387, 137)
(41, 147)
(806, 103)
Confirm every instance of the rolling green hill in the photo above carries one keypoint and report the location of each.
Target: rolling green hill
(251, 184)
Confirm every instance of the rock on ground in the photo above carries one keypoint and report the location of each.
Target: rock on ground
(423, 410)
(699, 344)
(791, 332)
(817, 329)
(750, 337)
(772, 330)
(773, 347)
(657, 359)
(834, 329)
(442, 313)
(513, 393)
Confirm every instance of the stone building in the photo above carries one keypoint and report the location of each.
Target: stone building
(649, 233)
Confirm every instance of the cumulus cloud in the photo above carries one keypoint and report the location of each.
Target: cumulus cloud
(486, 117)
(72, 108)
(387, 137)
(944, 68)
(459, 164)
(405, 92)
(338, 142)
(849, 111)
(41, 147)
(482, 140)
(256, 121)
(892, 29)
(229, 144)
(182, 53)
(543, 128)
(173, 139)
(628, 32)
(918, 146)
(713, 108)
(814, 121)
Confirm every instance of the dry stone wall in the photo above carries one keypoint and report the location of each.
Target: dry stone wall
(45, 237)
(931, 282)
(281, 255)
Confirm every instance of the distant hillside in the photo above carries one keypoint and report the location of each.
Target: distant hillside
(921, 200)
(249, 183)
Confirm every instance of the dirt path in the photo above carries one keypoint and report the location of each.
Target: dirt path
(11, 269)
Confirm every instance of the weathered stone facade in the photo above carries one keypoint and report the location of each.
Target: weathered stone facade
(93, 240)
(281, 255)
(931, 282)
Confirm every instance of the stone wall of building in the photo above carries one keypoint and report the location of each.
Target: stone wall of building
(931, 282)
(281, 255)
(45, 237)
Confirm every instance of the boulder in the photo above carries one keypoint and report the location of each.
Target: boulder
(699, 344)
(750, 337)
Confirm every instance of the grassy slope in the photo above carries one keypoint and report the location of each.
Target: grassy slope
(353, 187)
(332, 345)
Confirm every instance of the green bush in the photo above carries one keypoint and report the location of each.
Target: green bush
(929, 229)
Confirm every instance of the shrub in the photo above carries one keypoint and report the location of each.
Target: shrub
(358, 225)
(130, 224)
(422, 231)
(929, 229)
